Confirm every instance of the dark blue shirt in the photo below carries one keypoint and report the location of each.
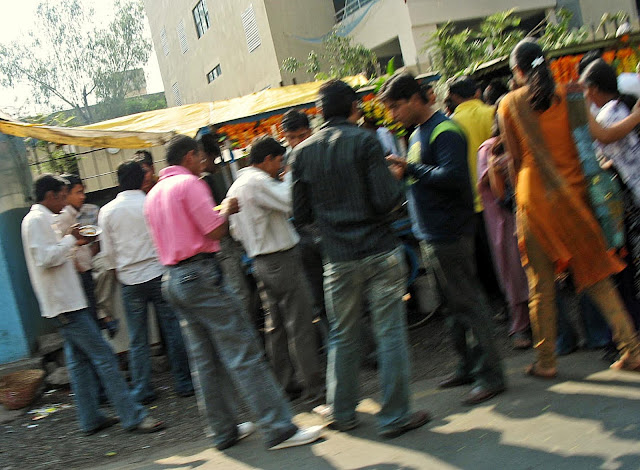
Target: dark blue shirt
(439, 186)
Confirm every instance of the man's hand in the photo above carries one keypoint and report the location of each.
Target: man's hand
(75, 231)
(398, 166)
(229, 206)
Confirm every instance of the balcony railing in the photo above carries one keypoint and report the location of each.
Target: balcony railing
(350, 7)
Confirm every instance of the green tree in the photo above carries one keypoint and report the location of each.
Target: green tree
(560, 33)
(67, 58)
(339, 57)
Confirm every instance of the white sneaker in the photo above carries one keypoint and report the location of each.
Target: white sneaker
(245, 429)
(301, 437)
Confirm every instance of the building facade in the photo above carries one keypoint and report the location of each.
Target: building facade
(211, 50)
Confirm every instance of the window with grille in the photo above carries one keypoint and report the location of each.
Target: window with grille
(164, 41)
(176, 94)
(182, 37)
(214, 73)
(201, 17)
(251, 29)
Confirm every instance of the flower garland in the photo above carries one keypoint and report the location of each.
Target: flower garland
(565, 69)
(375, 111)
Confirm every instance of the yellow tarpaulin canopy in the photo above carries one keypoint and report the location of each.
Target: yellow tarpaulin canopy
(156, 127)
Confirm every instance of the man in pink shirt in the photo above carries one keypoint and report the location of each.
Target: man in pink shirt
(223, 346)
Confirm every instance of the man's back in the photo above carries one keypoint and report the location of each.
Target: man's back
(341, 181)
(126, 239)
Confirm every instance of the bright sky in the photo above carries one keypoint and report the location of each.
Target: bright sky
(16, 19)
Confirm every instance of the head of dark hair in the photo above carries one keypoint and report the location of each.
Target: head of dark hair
(71, 180)
(130, 175)
(600, 75)
(495, 89)
(336, 99)
(588, 58)
(144, 156)
(463, 86)
(402, 86)
(48, 182)
(264, 146)
(178, 147)
(294, 120)
(530, 59)
(210, 145)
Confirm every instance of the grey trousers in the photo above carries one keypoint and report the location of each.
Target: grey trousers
(290, 339)
(455, 269)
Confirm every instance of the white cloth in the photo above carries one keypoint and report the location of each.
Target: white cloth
(629, 84)
(87, 215)
(126, 242)
(387, 140)
(262, 225)
(48, 255)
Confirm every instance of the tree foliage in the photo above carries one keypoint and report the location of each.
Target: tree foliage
(339, 57)
(67, 59)
(456, 52)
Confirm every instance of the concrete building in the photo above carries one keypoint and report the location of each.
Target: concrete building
(216, 50)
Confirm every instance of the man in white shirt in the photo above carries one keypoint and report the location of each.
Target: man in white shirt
(61, 297)
(263, 227)
(128, 247)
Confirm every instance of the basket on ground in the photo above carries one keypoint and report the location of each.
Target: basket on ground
(19, 389)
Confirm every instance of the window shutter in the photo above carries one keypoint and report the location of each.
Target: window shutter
(164, 41)
(251, 29)
(182, 37)
(176, 94)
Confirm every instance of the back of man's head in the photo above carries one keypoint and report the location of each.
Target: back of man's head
(144, 156)
(294, 120)
(336, 98)
(178, 147)
(130, 175)
(463, 86)
(71, 180)
(401, 87)
(264, 146)
(210, 145)
(48, 182)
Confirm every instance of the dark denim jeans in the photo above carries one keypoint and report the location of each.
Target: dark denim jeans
(224, 351)
(86, 350)
(380, 281)
(136, 299)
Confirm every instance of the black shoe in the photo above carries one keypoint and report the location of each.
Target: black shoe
(481, 394)
(107, 423)
(148, 400)
(418, 419)
(455, 380)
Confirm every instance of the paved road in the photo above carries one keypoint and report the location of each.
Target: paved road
(588, 418)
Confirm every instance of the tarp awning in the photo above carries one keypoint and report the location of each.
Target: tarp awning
(156, 127)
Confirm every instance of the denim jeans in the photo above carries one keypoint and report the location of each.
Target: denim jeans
(85, 351)
(224, 351)
(380, 281)
(136, 298)
(455, 269)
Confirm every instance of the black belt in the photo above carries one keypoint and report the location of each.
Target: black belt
(198, 257)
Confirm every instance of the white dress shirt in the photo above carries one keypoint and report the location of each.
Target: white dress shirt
(88, 214)
(48, 255)
(126, 242)
(262, 225)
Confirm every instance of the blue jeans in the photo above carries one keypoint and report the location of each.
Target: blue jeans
(136, 298)
(596, 329)
(380, 280)
(85, 351)
(224, 351)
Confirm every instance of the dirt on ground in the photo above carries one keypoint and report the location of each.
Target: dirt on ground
(54, 441)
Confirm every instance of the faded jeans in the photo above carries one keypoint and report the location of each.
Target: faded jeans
(380, 281)
(136, 298)
(87, 351)
(225, 352)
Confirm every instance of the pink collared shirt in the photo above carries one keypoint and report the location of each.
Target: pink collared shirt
(179, 211)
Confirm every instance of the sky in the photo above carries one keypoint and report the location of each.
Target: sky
(16, 19)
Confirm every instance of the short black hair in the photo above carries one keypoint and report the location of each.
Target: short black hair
(130, 175)
(178, 147)
(402, 86)
(144, 156)
(588, 58)
(463, 86)
(294, 120)
(263, 146)
(48, 182)
(601, 75)
(336, 99)
(72, 180)
(495, 89)
(210, 145)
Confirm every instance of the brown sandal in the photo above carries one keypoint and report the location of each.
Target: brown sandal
(532, 370)
(625, 363)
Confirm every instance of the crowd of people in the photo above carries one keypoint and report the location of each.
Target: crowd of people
(501, 188)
